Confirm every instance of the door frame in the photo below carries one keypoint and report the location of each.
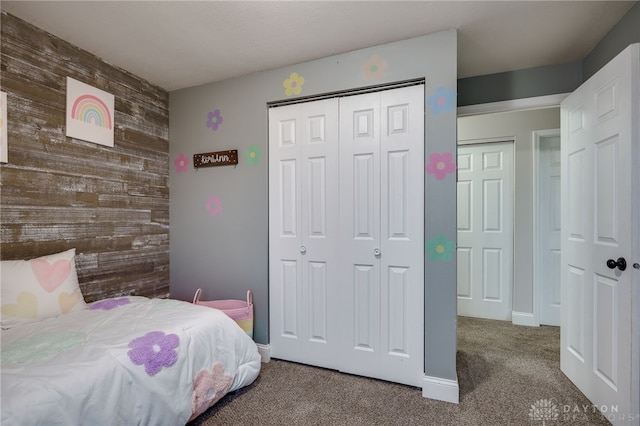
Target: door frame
(538, 102)
(538, 136)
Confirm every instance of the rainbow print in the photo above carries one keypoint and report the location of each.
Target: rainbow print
(91, 109)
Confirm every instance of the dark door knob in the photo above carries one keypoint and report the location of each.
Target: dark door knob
(620, 264)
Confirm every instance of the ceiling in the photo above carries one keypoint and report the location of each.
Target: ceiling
(178, 44)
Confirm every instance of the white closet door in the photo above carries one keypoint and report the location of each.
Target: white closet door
(382, 234)
(303, 232)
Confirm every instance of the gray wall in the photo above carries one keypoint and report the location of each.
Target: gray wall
(520, 84)
(626, 32)
(551, 79)
(227, 254)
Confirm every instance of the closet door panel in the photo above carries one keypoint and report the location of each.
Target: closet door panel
(303, 230)
(360, 232)
(402, 231)
(319, 148)
(285, 272)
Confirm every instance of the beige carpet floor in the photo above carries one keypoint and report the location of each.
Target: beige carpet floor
(508, 375)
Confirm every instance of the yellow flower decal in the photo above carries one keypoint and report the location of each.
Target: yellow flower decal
(293, 85)
(374, 68)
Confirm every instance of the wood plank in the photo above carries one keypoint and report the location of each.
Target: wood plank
(111, 204)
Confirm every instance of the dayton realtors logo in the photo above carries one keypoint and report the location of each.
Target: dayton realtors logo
(544, 410)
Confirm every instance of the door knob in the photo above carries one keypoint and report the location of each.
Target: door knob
(620, 264)
(303, 249)
(376, 252)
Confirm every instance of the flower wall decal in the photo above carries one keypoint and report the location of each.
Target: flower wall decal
(253, 154)
(208, 387)
(293, 84)
(440, 248)
(214, 206)
(214, 119)
(442, 100)
(108, 304)
(182, 163)
(154, 350)
(374, 68)
(440, 165)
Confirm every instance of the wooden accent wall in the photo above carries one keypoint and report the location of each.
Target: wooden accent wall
(56, 193)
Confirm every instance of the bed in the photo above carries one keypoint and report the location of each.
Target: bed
(126, 360)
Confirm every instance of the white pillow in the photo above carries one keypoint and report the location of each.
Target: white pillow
(40, 288)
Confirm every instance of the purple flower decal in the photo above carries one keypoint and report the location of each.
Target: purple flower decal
(108, 304)
(214, 206)
(442, 100)
(182, 163)
(440, 165)
(214, 119)
(154, 350)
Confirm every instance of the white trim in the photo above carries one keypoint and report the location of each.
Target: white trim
(441, 389)
(537, 294)
(264, 351)
(513, 105)
(524, 318)
(499, 139)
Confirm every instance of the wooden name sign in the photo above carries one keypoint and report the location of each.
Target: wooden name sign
(219, 158)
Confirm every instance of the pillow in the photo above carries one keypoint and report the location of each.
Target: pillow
(35, 289)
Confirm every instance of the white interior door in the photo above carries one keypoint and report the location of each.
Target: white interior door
(303, 232)
(600, 166)
(485, 230)
(548, 230)
(382, 234)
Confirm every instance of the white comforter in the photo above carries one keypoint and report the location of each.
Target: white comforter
(126, 361)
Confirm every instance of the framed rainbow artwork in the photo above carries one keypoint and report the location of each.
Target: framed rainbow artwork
(4, 154)
(89, 113)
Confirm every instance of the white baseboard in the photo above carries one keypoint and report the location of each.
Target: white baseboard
(524, 318)
(264, 351)
(441, 389)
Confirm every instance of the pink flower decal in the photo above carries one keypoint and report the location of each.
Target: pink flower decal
(214, 206)
(108, 304)
(154, 350)
(293, 84)
(214, 119)
(374, 68)
(441, 165)
(182, 163)
(208, 387)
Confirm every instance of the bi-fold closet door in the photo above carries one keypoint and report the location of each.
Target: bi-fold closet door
(346, 233)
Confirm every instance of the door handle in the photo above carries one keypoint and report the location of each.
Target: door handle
(377, 252)
(303, 249)
(620, 264)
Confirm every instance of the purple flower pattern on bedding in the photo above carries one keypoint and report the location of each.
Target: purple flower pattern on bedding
(108, 304)
(208, 387)
(154, 350)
